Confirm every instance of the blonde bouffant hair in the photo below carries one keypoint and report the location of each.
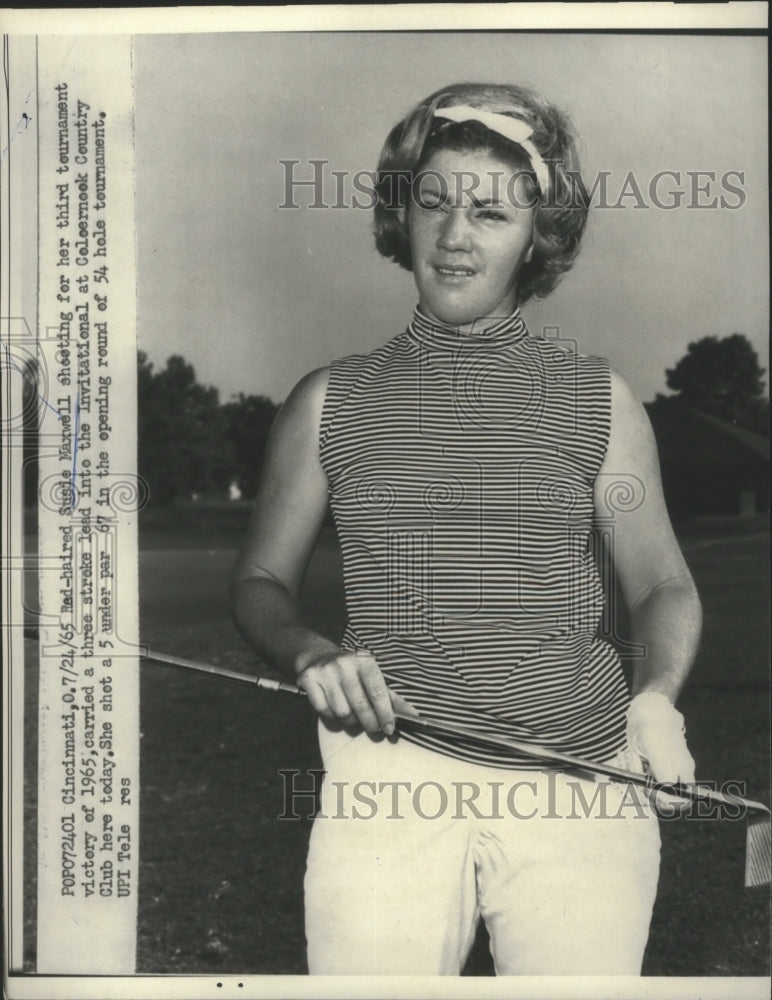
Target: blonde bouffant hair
(560, 213)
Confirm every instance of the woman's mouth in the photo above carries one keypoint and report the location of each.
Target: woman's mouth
(455, 274)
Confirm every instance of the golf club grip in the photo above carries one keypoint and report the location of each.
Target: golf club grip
(436, 727)
(543, 754)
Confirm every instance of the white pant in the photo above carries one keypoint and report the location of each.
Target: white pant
(405, 857)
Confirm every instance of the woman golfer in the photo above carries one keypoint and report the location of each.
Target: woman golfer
(466, 463)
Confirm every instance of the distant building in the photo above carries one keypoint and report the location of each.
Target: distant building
(709, 465)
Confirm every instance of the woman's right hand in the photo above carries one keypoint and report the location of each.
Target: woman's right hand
(348, 688)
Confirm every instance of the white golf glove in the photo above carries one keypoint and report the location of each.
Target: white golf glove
(656, 731)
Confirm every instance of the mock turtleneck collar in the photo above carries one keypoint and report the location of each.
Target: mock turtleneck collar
(430, 333)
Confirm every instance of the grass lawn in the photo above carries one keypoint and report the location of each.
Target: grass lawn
(221, 877)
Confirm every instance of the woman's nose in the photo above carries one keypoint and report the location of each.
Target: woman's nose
(454, 232)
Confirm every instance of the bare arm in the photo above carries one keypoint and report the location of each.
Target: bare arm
(654, 578)
(288, 515)
(285, 524)
(655, 581)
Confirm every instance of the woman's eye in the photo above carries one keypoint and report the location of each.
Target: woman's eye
(490, 213)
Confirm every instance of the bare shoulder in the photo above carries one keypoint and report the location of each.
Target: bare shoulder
(623, 399)
(628, 416)
(310, 390)
(631, 445)
(303, 406)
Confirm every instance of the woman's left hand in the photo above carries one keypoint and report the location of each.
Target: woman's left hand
(655, 730)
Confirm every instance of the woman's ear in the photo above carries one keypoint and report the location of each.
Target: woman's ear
(528, 255)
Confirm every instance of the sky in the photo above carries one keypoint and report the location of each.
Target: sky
(255, 295)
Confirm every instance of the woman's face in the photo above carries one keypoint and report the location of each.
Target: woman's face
(471, 230)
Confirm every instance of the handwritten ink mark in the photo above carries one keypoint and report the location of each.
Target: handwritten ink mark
(73, 490)
(29, 378)
(19, 130)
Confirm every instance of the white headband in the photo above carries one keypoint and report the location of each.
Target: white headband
(514, 129)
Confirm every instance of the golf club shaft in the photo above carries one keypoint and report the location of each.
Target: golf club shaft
(434, 726)
(210, 670)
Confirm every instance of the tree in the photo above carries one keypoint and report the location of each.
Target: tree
(722, 377)
(182, 433)
(30, 431)
(249, 420)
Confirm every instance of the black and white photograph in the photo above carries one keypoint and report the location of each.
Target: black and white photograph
(386, 487)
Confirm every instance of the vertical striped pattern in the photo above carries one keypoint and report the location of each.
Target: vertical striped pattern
(461, 472)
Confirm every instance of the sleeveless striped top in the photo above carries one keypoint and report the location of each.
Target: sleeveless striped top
(461, 472)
